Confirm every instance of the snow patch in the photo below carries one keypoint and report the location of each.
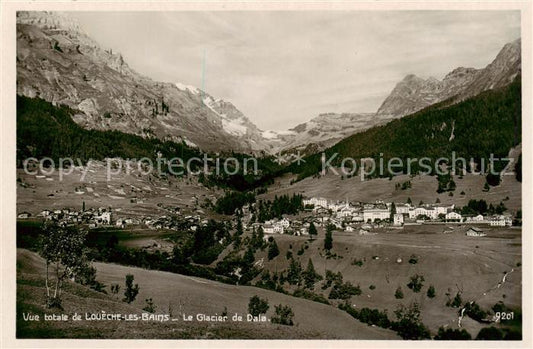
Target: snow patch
(183, 87)
(189, 143)
(208, 101)
(270, 134)
(452, 135)
(233, 128)
(286, 133)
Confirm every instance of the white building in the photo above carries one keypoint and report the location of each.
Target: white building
(476, 219)
(403, 208)
(443, 209)
(273, 229)
(345, 212)
(45, 213)
(303, 231)
(375, 214)
(453, 217)
(268, 229)
(398, 219)
(104, 218)
(285, 223)
(358, 218)
(420, 211)
(501, 221)
(335, 207)
(317, 202)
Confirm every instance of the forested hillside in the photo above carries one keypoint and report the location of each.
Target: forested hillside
(47, 130)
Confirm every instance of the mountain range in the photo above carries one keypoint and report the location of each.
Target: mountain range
(323, 131)
(58, 62)
(414, 93)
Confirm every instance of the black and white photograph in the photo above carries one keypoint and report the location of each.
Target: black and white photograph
(253, 173)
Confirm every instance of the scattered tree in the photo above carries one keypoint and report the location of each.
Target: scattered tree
(273, 250)
(399, 293)
(257, 306)
(284, 315)
(416, 283)
(450, 334)
(409, 326)
(310, 275)
(131, 290)
(490, 334)
(115, 288)
(312, 230)
(431, 291)
(456, 302)
(150, 306)
(328, 241)
(344, 291)
(474, 311)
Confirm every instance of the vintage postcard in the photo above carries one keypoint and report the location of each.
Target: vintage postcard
(266, 171)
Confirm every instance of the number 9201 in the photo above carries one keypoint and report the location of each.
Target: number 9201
(503, 316)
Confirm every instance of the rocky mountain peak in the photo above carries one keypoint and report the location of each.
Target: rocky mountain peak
(58, 62)
(413, 93)
(411, 79)
(49, 21)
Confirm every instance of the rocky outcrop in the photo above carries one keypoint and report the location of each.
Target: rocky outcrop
(414, 93)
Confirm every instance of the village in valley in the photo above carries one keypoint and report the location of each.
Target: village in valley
(358, 218)
(361, 218)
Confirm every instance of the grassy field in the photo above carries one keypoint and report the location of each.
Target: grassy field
(424, 188)
(137, 237)
(38, 192)
(452, 262)
(181, 295)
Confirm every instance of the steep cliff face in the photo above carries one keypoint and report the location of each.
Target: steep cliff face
(414, 93)
(58, 62)
(501, 72)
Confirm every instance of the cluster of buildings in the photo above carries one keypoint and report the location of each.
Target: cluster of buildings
(282, 226)
(398, 214)
(93, 217)
(276, 226)
(350, 217)
(381, 211)
(105, 217)
(188, 222)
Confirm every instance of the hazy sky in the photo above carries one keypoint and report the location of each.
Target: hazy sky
(284, 68)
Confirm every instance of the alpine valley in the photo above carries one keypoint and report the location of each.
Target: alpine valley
(294, 250)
